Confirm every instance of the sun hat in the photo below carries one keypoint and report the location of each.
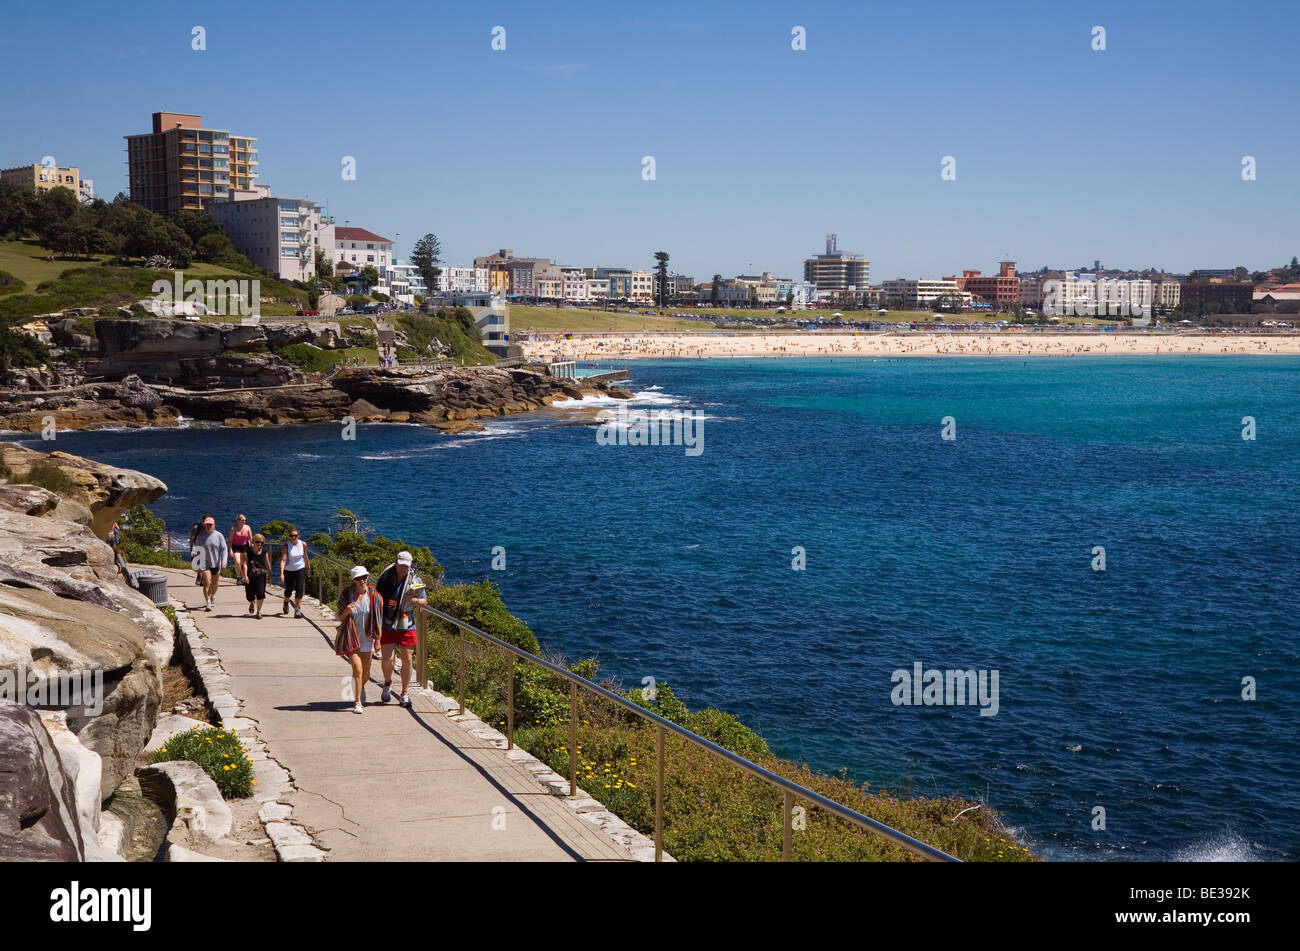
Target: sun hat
(360, 571)
(209, 521)
(404, 558)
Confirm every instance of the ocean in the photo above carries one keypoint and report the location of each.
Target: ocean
(1120, 689)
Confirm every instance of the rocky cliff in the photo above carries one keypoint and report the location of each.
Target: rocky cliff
(449, 398)
(67, 617)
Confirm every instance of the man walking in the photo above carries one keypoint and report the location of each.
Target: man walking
(216, 553)
(402, 589)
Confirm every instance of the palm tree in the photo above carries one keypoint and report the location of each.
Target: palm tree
(713, 294)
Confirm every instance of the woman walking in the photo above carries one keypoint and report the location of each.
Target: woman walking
(258, 569)
(240, 534)
(359, 612)
(293, 572)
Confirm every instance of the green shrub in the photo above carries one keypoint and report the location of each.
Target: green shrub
(6, 474)
(10, 284)
(49, 476)
(219, 753)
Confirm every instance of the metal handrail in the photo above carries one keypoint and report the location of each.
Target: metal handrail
(790, 788)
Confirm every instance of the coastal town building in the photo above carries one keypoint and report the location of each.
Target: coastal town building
(43, 178)
(406, 283)
(464, 280)
(620, 281)
(597, 288)
(1218, 293)
(919, 294)
(1276, 293)
(1168, 294)
(573, 284)
(1001, 291)
(358, 248)
(837, 270)
(180, 165)
(642, 286)
(509, 274)
(278, 234)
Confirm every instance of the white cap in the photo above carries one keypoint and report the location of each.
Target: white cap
(360, 571)
(404, 558)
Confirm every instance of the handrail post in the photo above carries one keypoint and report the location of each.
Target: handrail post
(510, 706)
(461, 675)
(787, 836)
(422, 648)
(659, 795)
(573, 738)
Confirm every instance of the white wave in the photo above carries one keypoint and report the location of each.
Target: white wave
(642, 397)
(309, 455)
(1225, 847)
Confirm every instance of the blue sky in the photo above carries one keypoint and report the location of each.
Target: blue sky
(1131, 155)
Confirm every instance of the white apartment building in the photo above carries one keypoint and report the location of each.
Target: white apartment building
(573, 284)
(406, 283)
(597, 288)
(1167, 293)
(920, 294)
(359, 248)
(278, 234)
(1084, 296)
(642, 286)
(463, 280)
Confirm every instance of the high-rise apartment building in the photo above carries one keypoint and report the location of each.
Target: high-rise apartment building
(180, 165)
(837, 270)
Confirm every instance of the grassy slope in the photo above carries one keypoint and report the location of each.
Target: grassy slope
(65, 284)
(550, 319)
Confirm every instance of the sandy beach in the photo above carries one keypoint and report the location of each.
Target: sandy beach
(633, 346)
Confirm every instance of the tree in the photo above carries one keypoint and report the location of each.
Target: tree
(426, 256)
(713, 294)
(324, 267)
(197, 224)
(212, 246)
(369, 275)
(662, 258)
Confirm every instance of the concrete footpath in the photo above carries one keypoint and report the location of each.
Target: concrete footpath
(392, 784)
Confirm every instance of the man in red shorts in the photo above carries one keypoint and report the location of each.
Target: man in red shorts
(402, 589)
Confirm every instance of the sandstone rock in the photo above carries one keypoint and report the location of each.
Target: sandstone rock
(168, 726)
(367, 412)
(48, 635)
(27, 499)
(107, 490)
(83, 766)
(190, 797)
(619, 393)
(38, 811)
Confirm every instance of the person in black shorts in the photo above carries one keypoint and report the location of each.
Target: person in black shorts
(293, 572)
(258, 567)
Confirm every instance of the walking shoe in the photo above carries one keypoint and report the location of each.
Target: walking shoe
(207, 605)
(285, 609)
(406, 699)
(387, 693)
(357, 709)
(297, 612)
(250, 607)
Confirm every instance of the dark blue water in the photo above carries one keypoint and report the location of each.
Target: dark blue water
(1120, 689)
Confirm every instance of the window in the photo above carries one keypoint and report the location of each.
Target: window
(205, 189)
(205, 150)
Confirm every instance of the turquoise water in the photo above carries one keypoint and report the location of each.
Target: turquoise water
(1120, 689)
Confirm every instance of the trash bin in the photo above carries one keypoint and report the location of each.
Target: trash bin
(153, 585)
